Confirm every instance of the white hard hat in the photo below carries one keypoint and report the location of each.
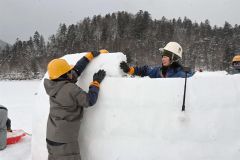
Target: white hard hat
(173, 47)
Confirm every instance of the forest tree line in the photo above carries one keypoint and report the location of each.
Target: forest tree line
(136, 35)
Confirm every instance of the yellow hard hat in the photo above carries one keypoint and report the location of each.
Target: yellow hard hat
(102, 51)
(58, 67)
(236, 58)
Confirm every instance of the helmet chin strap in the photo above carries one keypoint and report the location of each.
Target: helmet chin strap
(173, 60)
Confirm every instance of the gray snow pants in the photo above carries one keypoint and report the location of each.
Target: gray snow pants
(3, 127)
(67, 151)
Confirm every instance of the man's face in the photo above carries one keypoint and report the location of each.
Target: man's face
(236, 65)
(165, 61)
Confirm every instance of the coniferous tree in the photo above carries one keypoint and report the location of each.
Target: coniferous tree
(136, 35)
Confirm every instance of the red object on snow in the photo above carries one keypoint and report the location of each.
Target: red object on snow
(14, 136)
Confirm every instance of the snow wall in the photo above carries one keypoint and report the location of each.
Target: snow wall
(141, 118)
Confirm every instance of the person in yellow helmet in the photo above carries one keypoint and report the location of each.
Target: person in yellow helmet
(67, 101)
(235, 65)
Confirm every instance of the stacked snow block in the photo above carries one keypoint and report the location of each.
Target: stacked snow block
(109, 62)
(141, 118)
(3, 127)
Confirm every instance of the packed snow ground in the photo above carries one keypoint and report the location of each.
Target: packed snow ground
(141, 118)
(19, 98)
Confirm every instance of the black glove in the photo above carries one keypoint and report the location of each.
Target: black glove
(95, 53)
(99, 76)
(124, 66)
(8, 124)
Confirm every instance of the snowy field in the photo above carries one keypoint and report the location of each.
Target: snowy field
(135, 118)
(141, 118)
(19, 98)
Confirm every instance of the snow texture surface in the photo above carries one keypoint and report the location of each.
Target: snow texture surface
(141, 118)
(19, 98)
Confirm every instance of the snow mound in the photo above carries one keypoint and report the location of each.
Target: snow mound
(141, 118)
(19, 98)
(109, 62)
(18, 151)
(211, 74)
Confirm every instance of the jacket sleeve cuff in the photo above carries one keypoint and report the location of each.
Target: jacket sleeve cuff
(131, 70)
(95, 83)
(103, 51)
(89, 56)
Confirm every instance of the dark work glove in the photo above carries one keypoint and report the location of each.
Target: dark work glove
(124, 66)
(8, 124)
(95, 53)
(99, 76)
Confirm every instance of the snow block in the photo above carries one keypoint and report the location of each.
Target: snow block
(141, 118)
(109, 62)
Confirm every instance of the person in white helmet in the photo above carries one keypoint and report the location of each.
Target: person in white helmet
(171, 68)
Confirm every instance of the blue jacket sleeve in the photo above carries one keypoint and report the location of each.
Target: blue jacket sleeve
(147, 71)
(81, 65)
(92, 95)
(190, 74)
(182, 74)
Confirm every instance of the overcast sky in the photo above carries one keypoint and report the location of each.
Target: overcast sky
(21, 18)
